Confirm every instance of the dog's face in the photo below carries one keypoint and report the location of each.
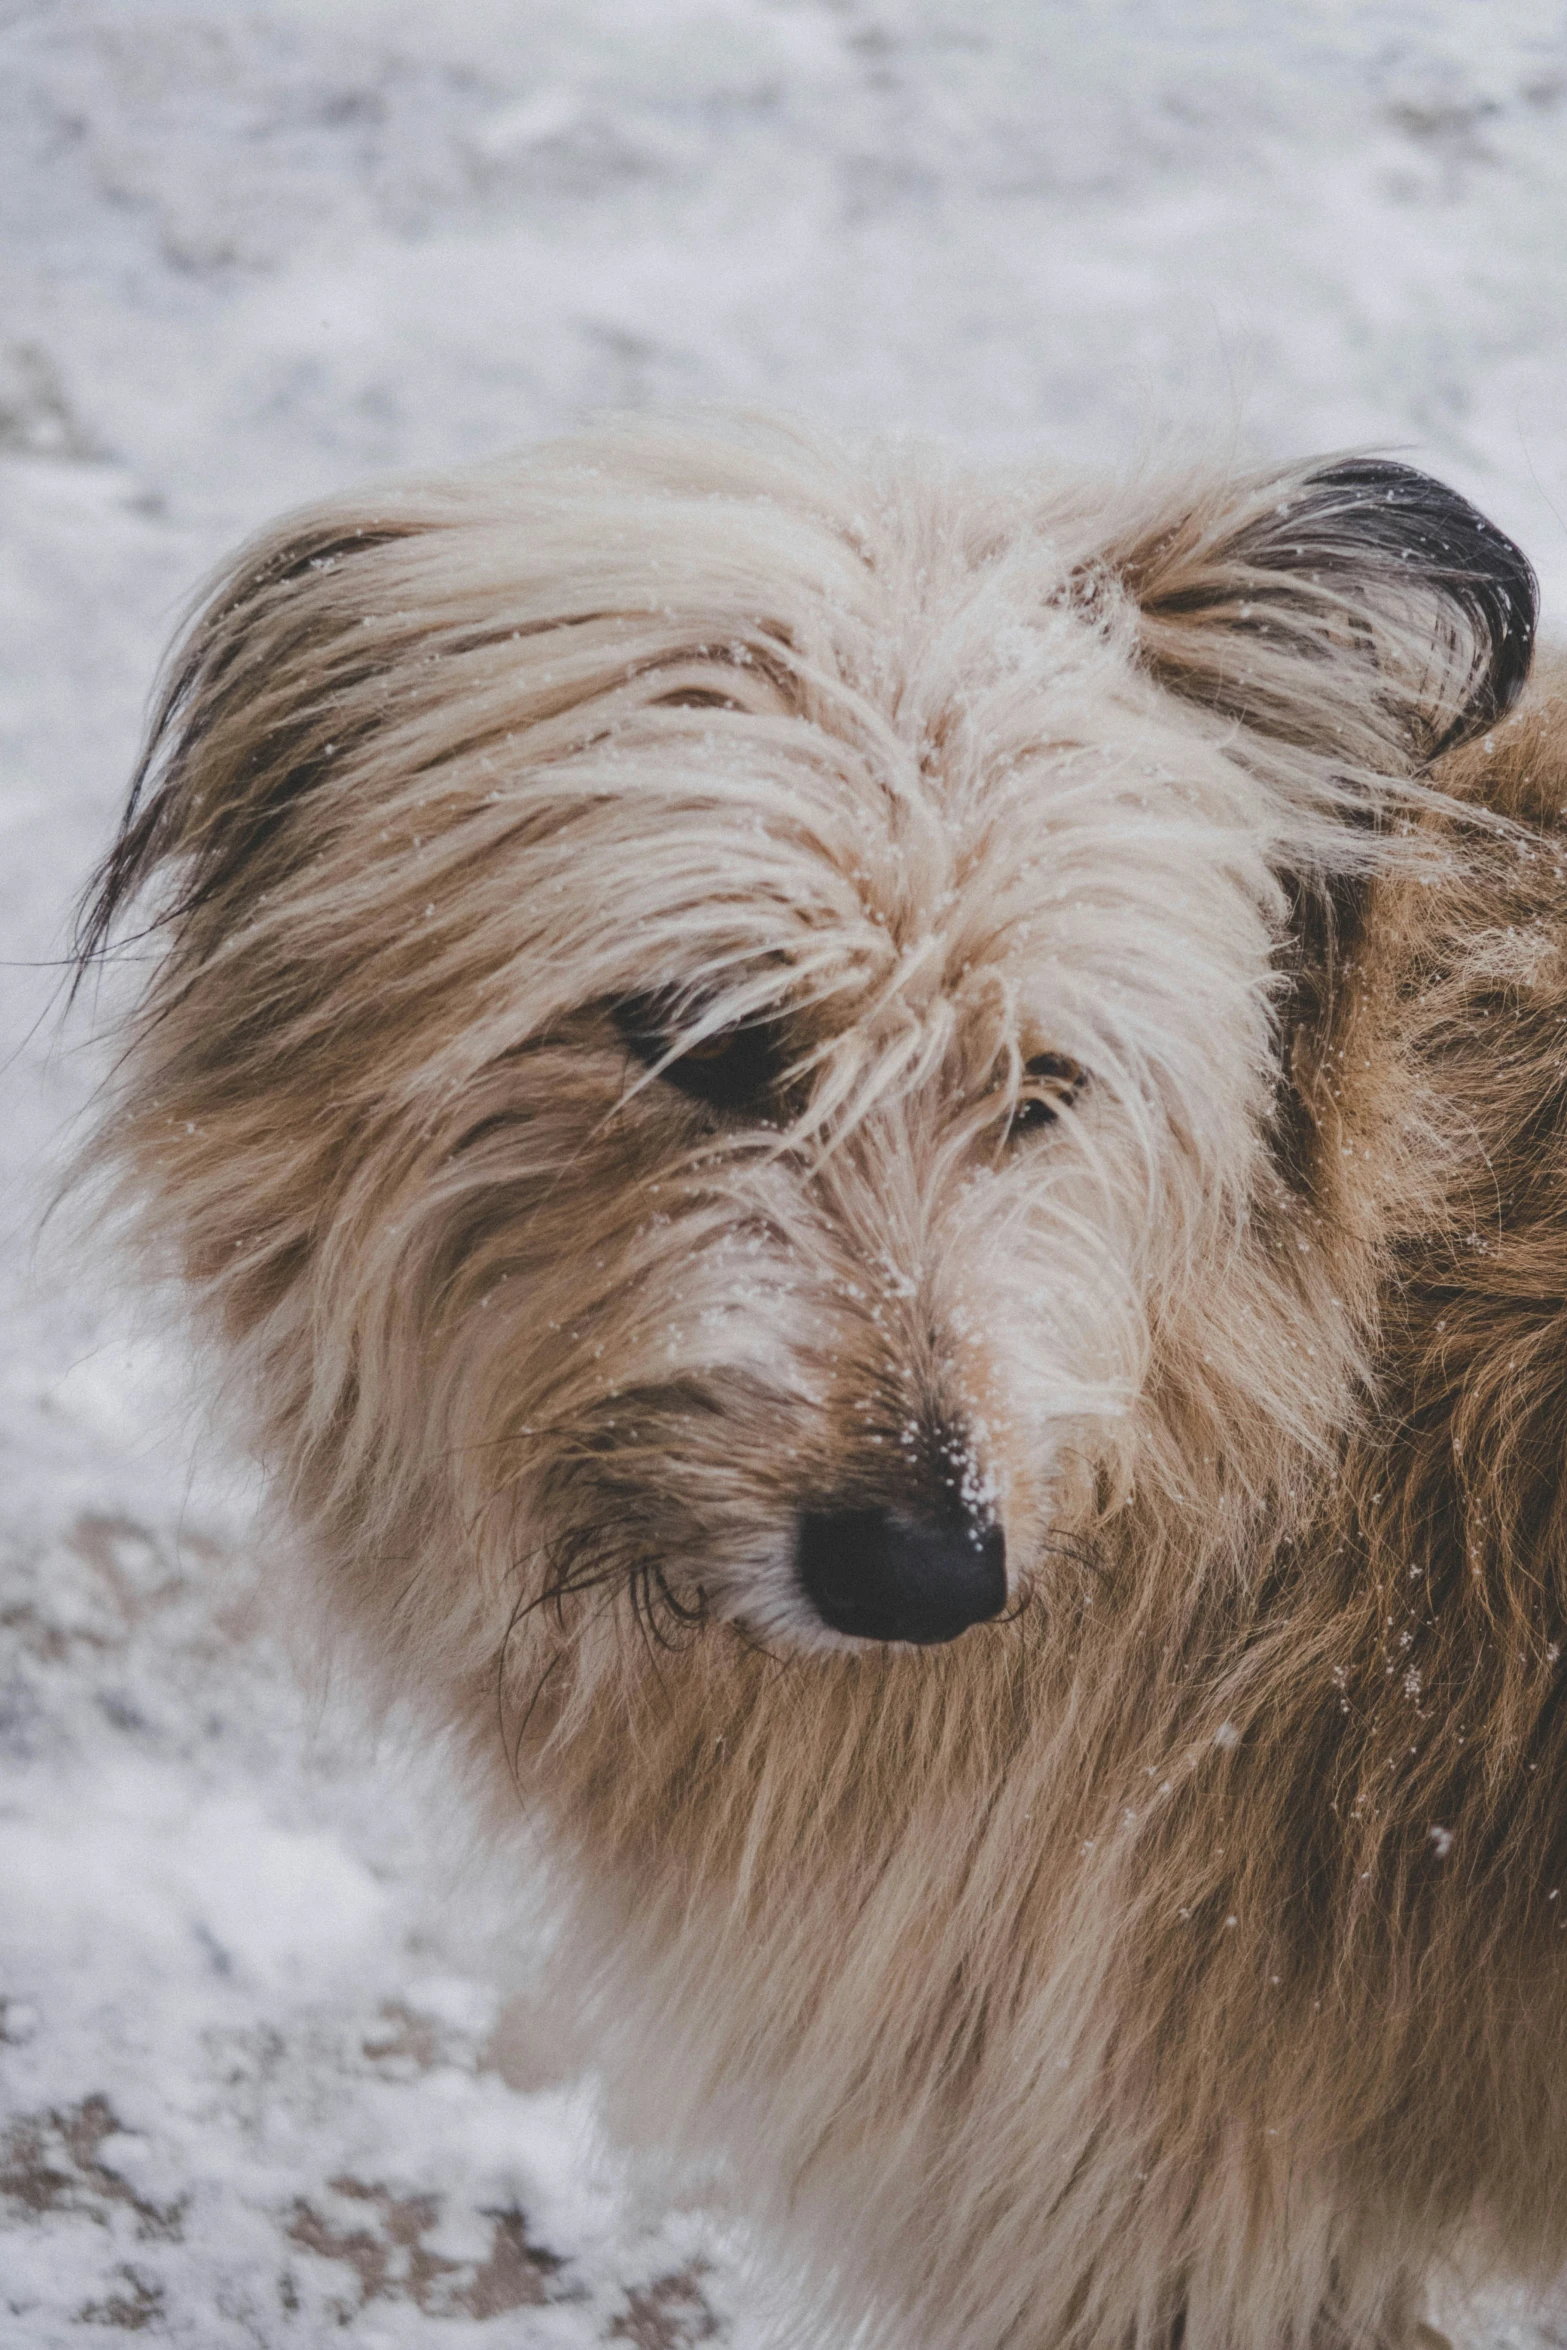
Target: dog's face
(907, 1050)
(725, 1020)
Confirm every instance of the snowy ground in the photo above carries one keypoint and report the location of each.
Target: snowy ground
(268, 2073)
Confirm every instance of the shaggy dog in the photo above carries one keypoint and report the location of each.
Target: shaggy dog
(882, 1155)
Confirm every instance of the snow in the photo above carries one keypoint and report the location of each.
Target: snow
(270, 2069)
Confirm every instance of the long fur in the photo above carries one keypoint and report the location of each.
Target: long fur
(1180, 1954)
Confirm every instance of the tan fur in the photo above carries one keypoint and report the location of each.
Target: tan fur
(1183, 1949)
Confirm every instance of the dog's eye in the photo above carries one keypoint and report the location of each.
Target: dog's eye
(735, 1069)
(1052, 1083)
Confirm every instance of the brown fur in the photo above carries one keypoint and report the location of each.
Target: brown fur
(1185, 1949)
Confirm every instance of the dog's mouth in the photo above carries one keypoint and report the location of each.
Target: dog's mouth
(915, 1558)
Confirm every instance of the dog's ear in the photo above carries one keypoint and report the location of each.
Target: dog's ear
(1352, 621)
(1360, 607)
(235, 738)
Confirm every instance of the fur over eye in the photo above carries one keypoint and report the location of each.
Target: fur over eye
(740, 1068)
(1051, 1083)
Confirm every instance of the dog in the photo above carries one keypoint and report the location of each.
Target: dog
(880, 1155)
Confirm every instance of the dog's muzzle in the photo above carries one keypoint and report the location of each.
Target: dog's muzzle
(877, 1575)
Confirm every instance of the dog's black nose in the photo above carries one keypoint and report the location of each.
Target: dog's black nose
(879, 1576)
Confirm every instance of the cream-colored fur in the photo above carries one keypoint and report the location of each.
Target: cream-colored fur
(1180, 1950)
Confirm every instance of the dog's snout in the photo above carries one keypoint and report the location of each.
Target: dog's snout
(878, 1575)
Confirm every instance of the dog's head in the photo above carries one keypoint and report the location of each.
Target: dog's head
(727, 1024)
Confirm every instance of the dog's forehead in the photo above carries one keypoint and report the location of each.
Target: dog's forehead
(961, 792)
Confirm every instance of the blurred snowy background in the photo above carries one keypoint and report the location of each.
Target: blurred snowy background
(267, 2072)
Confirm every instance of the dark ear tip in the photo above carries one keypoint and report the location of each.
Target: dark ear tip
(1396, 516)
